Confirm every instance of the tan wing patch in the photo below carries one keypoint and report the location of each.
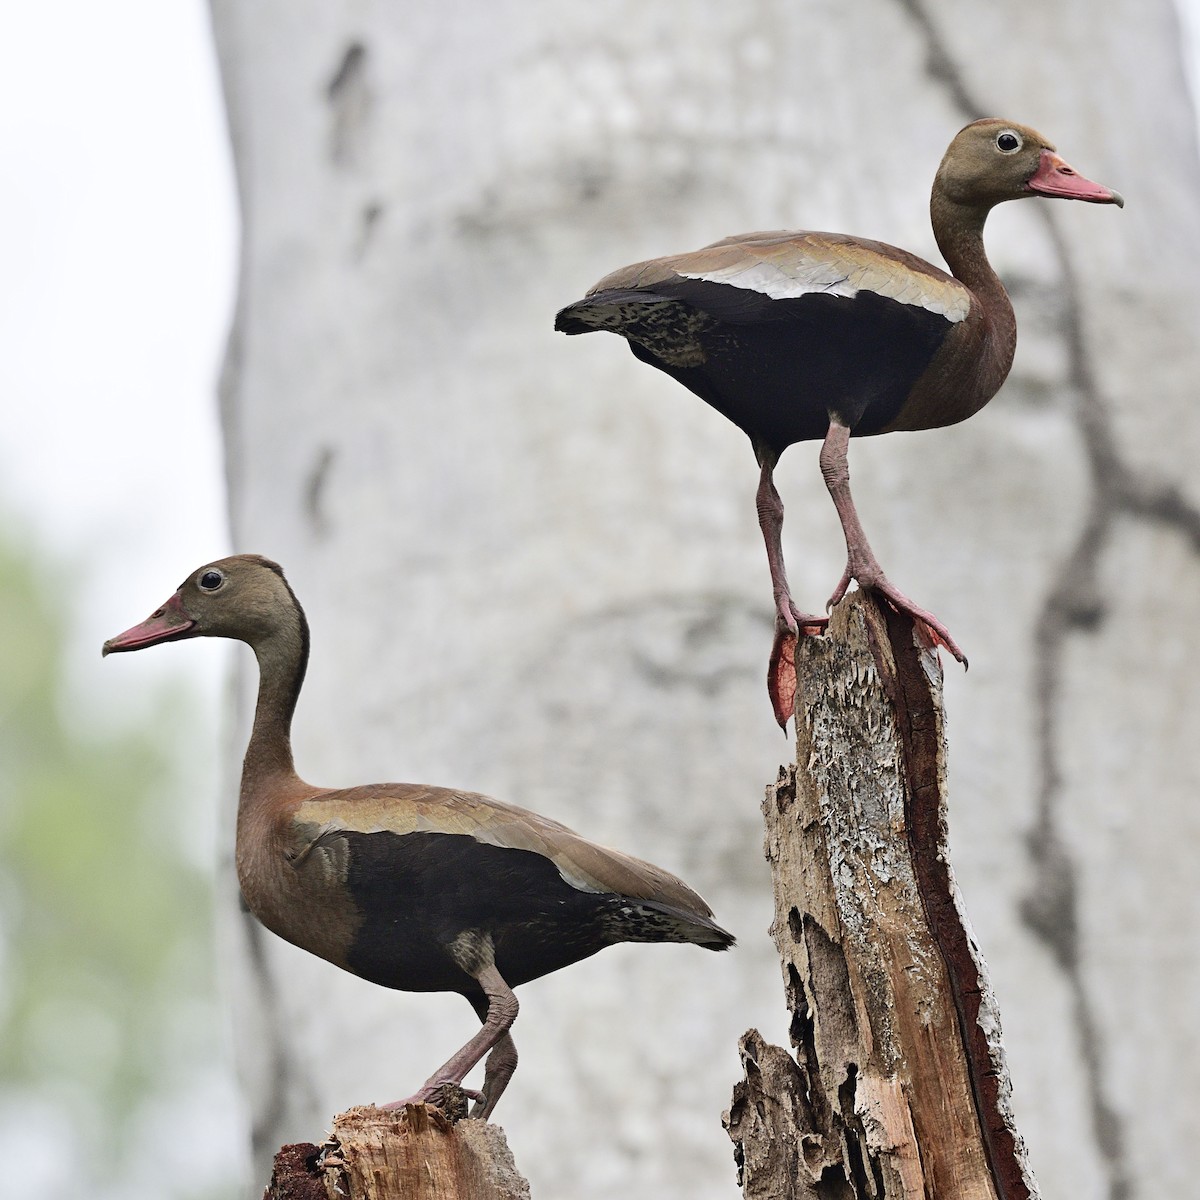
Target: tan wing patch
(637, 275)
(785, 267)
(783, 264)
(410, 808)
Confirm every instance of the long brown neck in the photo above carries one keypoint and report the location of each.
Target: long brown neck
(958, 229)
(282, 660)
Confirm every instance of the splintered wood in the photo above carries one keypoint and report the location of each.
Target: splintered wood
(414, 1153)
(898, 1088)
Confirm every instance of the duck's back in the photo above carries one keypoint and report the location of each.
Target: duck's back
(776, 330)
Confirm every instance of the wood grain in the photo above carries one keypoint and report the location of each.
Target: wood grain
(417, 1152)
(898, 1086)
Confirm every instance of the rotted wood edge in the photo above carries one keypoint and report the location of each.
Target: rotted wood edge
(417, 1152)
(917, 695)
(898, 1087)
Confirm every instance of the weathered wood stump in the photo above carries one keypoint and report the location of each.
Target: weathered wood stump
(414, 1153)
(898, 1088)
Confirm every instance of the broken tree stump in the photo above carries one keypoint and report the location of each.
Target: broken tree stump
(898, 1087)
(413, 1153)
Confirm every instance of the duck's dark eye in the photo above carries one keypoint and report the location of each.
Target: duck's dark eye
(1007, 142)
(211, 580)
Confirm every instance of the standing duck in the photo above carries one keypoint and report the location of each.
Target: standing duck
(419, 888)
(801, 336)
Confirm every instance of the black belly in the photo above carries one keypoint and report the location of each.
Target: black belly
(778, 368)
(417, 892)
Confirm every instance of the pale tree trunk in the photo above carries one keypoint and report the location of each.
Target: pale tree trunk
(532, 567)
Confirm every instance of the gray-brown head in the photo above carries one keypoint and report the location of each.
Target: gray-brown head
(244, 597)
(994, 160)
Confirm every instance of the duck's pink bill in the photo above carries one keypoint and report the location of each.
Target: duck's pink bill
(1057, 178)
(162, 625)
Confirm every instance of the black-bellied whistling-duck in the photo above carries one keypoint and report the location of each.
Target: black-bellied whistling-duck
(419, 888)
(799, 336)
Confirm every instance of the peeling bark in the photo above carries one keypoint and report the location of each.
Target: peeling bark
(417, 1153)
(899, 1086)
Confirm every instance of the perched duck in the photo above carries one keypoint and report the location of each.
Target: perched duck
(424, 889)
(801, 336)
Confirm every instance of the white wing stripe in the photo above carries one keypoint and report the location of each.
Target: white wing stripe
(768, 280)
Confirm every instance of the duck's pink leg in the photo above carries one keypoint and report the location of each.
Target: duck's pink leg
(501, 1064)
(502, 1011)
(861, 563)
(790, 622)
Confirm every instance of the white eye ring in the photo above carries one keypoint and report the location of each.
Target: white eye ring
(211, 579)
(1008, 141)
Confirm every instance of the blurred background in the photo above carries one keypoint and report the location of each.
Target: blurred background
(119, 243)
